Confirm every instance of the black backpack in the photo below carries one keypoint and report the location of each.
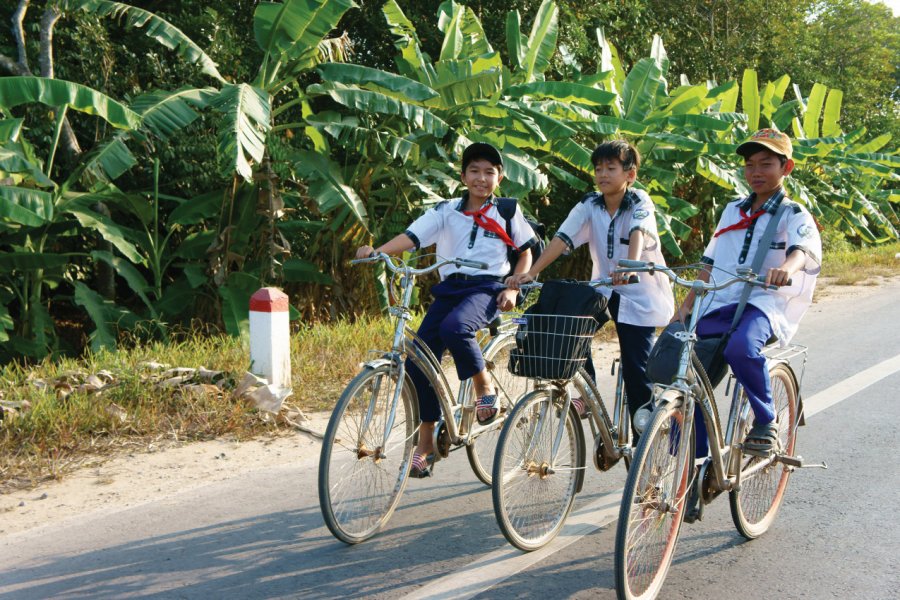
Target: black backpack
(549, 343)
(507, 209)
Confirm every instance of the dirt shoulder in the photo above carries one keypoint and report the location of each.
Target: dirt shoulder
(154, 473)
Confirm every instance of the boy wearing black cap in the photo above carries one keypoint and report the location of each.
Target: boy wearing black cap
(466, 299)
(794, 255)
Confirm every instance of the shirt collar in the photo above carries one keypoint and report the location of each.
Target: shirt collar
(465, 199)
(628, 200)
(770, 205)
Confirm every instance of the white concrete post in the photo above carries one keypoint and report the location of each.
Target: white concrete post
(270, 340)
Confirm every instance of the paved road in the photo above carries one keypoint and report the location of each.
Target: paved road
(261, 536)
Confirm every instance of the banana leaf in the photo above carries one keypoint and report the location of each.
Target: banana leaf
(246, 119)
(58, 92)
(541, 41)
(290, 31)
(750, 99)
(154, 27)
(402, 88)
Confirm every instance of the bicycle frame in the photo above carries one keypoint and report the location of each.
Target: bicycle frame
(407, 344)
(725, 461)
(612, 431)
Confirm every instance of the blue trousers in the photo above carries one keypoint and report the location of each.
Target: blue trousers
(743, 353)
(635, 343)
(459, 310)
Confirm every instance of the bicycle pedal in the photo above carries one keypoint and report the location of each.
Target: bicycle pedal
(797, 462)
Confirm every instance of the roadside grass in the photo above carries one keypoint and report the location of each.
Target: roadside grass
(846, 265)
(71, 412)
(57, 419)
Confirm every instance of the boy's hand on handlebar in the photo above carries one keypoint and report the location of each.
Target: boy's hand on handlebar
(620, 278)
(506, 300)
(514, 281)
(778, 277)
(365, 251)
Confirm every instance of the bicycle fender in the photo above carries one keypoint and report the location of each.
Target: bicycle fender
(796, 383)
(383, 361)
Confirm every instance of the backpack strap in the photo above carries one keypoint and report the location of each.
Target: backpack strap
(764, 242)
(507, 209)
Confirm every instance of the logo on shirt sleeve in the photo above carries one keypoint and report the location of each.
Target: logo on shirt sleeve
(640, 214)
(804, 231)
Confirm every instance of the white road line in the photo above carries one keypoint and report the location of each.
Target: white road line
(490, 569)
(850, 386)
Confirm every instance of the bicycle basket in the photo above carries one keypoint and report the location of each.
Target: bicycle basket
(551, 346)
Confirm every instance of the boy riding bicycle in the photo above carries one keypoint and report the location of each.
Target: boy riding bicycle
(618, 222)
(466, 299)
(792, 262)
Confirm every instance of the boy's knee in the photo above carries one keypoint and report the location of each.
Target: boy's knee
(453, 331)
(737, 353)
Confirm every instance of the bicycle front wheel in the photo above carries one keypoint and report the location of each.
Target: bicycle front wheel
(363, 466)
(653, 503)
(509, 388)
(533, 489)
(755, 505)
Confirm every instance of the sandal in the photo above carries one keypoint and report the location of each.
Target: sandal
(580, 406)
(761, 439)
(488, 401)
(422, 465)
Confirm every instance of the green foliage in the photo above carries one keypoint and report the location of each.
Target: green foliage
(244, 150)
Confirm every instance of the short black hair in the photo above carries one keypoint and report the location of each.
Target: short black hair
(481, 151)
(620, 150)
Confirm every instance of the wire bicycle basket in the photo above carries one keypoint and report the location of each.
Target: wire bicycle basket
(551, 347)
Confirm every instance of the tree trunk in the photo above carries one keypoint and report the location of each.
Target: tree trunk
(18, 30)
(48, 21)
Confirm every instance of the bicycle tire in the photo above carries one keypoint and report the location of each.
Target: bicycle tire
(509, 389)
(360, 484)
(653, 502)
(755, 505)
(531, 501)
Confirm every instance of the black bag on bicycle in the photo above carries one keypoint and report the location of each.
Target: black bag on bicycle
(662, 365)
(555, 333)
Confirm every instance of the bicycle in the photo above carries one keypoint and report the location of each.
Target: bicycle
(654, 501)
(539, 463)
(368, 444)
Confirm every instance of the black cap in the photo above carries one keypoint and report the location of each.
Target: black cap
(481, 150)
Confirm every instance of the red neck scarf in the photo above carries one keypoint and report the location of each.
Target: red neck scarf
(744, 223)
(488, 224)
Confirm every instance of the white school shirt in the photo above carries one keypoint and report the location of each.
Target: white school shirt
(650, 302)
(735, 249)
(457, 236)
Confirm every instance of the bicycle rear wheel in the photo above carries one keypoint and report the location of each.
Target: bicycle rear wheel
(361, 478)
(509, 389)
(533, 492)
(755, 505)
(653, 503)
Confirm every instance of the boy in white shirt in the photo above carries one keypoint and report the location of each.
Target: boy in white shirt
(616, 223)
(795, 255)
(466, 299)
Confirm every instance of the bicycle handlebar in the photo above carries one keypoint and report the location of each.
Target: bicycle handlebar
(605, 282)
(397, 265)
(626, 265)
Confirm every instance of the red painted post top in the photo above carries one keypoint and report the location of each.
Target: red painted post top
(269, 299)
